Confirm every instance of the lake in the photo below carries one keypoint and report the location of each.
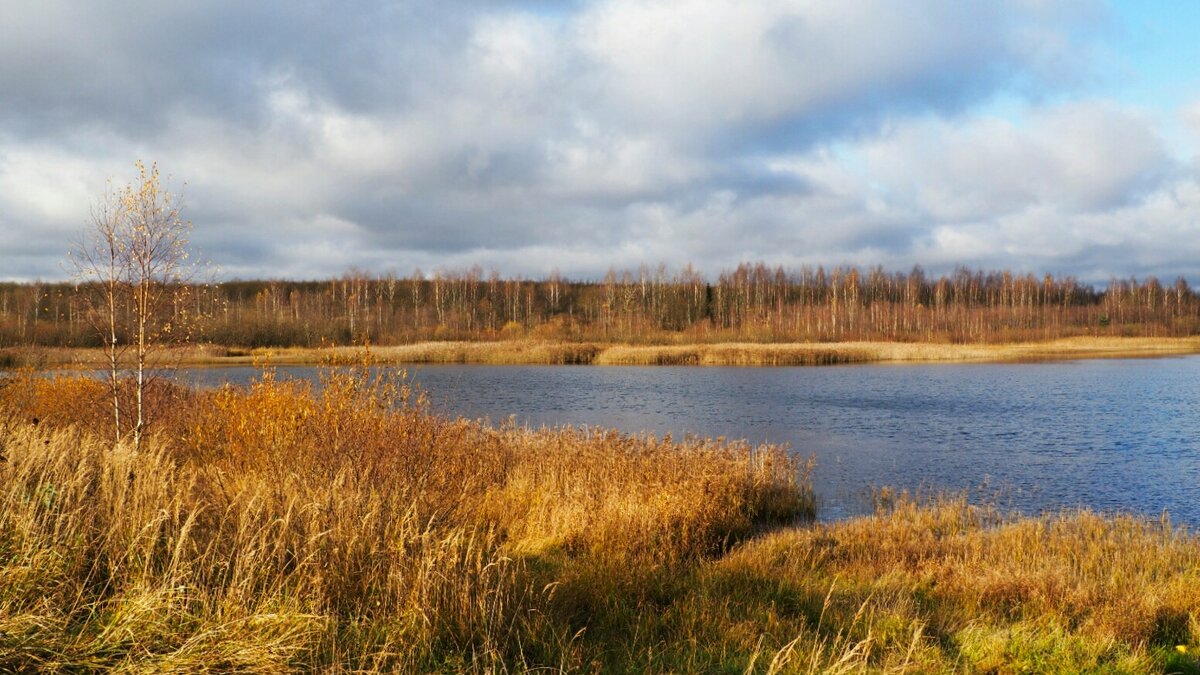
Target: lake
(1112, 435)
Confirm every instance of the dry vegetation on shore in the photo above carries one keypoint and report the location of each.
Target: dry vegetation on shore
(545, 352)
(275, 527)
(753, 354)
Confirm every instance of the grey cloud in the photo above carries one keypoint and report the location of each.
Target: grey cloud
(34, 253)
(132, 65)
(756, 69)
(315, 136)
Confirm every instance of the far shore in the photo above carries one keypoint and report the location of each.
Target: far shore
(535, 352)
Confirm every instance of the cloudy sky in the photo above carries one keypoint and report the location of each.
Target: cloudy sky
(308, 137)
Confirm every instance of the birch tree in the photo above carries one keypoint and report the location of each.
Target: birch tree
(132, 265)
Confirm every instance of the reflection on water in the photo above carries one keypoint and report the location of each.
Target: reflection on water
(1107, 434)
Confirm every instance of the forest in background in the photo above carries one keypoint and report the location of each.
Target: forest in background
(752, 303)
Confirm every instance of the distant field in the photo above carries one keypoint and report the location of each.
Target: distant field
(576, 353)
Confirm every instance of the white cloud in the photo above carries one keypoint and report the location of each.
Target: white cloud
(1078, 157)
(39, 185)
(614, 134)
(1191, 116)
(1084, 187)
(699, 66)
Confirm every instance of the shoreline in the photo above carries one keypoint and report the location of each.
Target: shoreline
(531, 352)
(261, 541)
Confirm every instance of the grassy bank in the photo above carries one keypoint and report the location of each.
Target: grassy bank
(273, 527)
(756, 354)
(543, 352)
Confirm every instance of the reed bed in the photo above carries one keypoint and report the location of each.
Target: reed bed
(550, 352)
(830, 353)
(274, 527)
(509, 352)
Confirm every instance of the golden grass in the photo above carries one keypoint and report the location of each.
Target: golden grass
(547, 352)
(277, 527)
(943, 585)
(273, 527)
(766, 354)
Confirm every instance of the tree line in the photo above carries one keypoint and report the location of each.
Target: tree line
(753, 302)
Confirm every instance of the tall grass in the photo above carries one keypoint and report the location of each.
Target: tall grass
(940, 585)
(274, 527)
(343, 528)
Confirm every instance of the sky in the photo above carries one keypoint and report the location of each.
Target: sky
(308, 138)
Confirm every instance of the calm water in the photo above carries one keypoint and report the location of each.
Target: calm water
(1108, 434)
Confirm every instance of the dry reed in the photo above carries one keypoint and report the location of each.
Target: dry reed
(343, 528)
(276, 527)
(549, 352)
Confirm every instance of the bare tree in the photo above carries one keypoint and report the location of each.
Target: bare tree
(132, 265)
(100, 260)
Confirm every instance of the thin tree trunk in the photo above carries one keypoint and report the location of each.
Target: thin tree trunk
(143, 308)
(114, 382)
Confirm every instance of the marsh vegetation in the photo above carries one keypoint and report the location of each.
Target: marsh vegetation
(556, 352)
(277, 526)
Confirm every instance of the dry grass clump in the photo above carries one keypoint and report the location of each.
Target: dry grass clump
(284, 527)
(943, 585)
(642, 500)
(116, 559)
(503, 352)
(734, 354)
(507, 352)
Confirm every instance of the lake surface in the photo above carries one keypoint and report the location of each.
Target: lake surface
(1113, 435)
